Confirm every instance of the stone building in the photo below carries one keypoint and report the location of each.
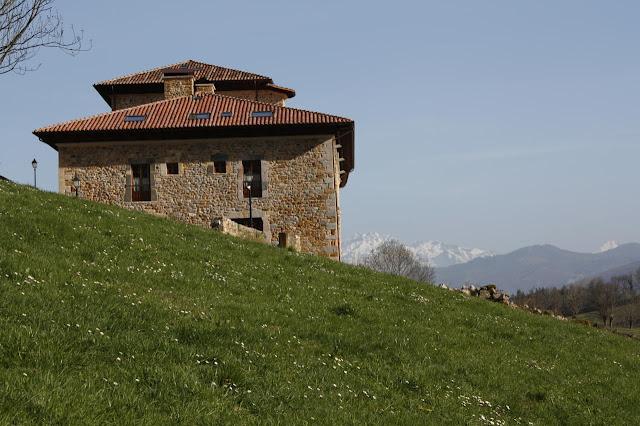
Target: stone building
(200, 142)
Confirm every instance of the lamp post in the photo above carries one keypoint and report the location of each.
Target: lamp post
(247, 181)
(34, 164)
(76, 184)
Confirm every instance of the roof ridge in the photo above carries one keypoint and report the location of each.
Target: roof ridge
(103, 82)
(230, 69)
(203, 64)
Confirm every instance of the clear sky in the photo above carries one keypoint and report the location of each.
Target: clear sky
(492, 124)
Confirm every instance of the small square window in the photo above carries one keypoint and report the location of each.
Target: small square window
(257, 114)
(173, 168)
(134, 118)
(219, 163)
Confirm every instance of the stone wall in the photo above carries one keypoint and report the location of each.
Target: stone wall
(178, 86)
(300, 182)
(128, 100)
(267, 96)
(229, 227)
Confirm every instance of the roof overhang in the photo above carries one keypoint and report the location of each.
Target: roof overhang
(343, 132)
(106, 90)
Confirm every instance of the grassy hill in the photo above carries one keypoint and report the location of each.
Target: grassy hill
(111, 316)
(619, 323)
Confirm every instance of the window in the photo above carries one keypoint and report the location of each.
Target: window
(141, 188)
(226, 114)
(219, 163)
(257, 114)
(134, 118)
(173, 168)
(252, 172)
(200, 116)
(245, 221)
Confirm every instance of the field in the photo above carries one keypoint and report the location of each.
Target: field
(619, 325)
(113, 317)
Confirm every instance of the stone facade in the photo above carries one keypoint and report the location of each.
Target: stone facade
(177, 86)
(261, 95)
(128, 100)
(229, 227)
(300, 177)
(121, 101)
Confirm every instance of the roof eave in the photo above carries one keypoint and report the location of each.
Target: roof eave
(344, 133)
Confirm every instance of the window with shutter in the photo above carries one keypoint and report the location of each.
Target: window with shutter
(141, 182)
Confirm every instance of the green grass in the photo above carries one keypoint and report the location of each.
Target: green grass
(619, 315)
(113, 317)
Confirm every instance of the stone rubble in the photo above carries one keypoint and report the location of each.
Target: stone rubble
(491, 293)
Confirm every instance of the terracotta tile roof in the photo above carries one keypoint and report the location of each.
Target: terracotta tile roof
(229, 116)
(176, 114)
(201, 71)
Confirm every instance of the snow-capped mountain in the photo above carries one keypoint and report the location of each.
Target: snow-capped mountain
(435, 253)
(609, 245)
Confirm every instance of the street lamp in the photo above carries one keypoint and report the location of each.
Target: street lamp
(247, 183)
(76, 184)
(34, 164)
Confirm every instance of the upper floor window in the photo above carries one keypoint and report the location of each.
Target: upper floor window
(173, 168)
(252, 182)
(219, 163)
(141, 188)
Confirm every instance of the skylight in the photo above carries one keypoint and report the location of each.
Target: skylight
(262, 114)
(134, 118)
(200, 116)
(226, 114)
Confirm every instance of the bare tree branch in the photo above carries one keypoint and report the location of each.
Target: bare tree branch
(394, 258)
(26, 26)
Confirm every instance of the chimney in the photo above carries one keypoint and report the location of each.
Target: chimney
(178, 82)
(202, 88)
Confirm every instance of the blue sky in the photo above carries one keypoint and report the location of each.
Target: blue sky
(493, 124)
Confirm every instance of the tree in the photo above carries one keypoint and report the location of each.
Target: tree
(605, 300)
(573, 299)
(28, 25)
(625, 283)
(394, 258)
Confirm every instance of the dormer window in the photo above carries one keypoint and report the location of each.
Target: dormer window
(134, 118)
(200, 116)
(258, 114)
(226, 114)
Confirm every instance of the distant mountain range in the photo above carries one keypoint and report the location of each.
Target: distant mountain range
(435, 253)
(542, 266)
(524, 269)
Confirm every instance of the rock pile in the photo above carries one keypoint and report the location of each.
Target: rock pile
(491, 293)
(487, 292)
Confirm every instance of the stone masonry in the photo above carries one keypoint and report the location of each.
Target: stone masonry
(300, 174)
(121, 101)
